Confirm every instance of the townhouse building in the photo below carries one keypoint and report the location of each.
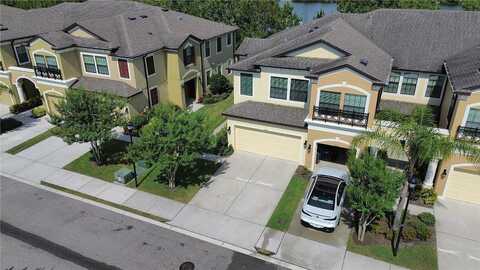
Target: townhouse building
(145, 54)
(304, 93)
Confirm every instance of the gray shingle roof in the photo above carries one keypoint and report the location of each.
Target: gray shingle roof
(62, 40)
(463, 70)
(135, 28)
(269, 113)
(105, 86)
(334, 32)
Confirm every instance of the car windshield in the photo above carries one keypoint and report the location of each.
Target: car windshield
(323, 195)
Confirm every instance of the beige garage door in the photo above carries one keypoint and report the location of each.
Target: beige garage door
(463, 186)
(261, 142)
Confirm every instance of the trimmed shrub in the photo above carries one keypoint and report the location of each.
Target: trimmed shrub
(38, 112)
(209, 98)
(427, 218)
(222, 147)
(7, 124)
(219, 84)
(25, 106)
(380, 227)
(423, 231)
(429, 196)
(409, 233)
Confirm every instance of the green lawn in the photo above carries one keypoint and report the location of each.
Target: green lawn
(114, 152)
(26, 144)
(286, 207)
(417, 257)
(214, 112)
(188, 186)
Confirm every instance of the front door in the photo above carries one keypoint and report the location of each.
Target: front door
(190, 90)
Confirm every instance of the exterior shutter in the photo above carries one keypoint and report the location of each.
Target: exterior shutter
(153, 96)
(123, 68)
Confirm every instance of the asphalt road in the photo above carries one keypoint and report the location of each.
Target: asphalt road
(44, 230)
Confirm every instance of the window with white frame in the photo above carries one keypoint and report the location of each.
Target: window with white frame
(298, 90)
(95, 64)
(473, 118)
(150, 63)
(393, 83)
(278, 87)
(354, 103)
(409, 84)
(229, 39)
(330, 100)
(435, 86)
(246, 84)
(45, 61)
(21, 52)
(219, 44)
(207, 48)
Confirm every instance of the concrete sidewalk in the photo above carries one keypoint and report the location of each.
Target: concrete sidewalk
(238, 233)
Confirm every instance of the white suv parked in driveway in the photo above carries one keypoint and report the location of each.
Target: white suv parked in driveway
(324, 200)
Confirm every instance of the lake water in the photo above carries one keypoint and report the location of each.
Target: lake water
(307, 10)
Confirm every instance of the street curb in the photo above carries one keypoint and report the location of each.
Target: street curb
(164, 225)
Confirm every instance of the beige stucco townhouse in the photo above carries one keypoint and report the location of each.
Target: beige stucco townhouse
(145, 54)
(303, 94)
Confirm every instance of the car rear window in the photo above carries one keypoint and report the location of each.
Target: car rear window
(323, 196)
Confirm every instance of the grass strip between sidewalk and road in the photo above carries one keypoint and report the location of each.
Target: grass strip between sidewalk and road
(415, 257)
(286, 207)
(95, 199)
(31, 142)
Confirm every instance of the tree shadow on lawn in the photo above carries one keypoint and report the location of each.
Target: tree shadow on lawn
(114, 153)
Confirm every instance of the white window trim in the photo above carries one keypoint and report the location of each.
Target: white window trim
(188, 45)
(16, 54)
(231, 39)
(146, 66)
(240, 84)
(443, 86)
(128, 67)
(96, 68)
(467, 112)
(289, 81)
(150, 97)
(229, 62)
(42, 51)
(216, 45)
(330, 87)
(400, 82)
(205, 49)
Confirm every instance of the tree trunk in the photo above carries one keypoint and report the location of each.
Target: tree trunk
(403, 198)
(362, 227)
(96, 152)
(171, 179)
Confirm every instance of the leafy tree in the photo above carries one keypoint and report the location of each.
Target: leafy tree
(254, 18)
(372, 191)
(173, 139)
(219, 84)
(415, 137)
(471, 5)
(354, 6)
(85, 116)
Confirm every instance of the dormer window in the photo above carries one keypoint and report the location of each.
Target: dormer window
(188, 55)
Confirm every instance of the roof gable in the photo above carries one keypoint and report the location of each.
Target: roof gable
(318, 50)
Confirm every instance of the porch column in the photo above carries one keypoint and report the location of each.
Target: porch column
(373, 151)
(429, 177)
(21, 94)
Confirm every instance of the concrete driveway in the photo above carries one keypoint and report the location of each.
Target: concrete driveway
(458, 234)
(30, 128)
(247, 186)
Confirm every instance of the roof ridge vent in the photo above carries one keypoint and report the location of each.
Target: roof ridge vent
(364, 61)
(143, 16)
(132, 18)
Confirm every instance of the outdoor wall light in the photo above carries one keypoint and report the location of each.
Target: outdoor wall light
(444, 173)
(309, 148)
(305, 143)
(229, 130)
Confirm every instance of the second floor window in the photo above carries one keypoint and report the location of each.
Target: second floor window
(207, 48)
(355, 103)
(246, 84)
(229, 39)
(219, 44)
(188, 55)
(22, 54)
(435, 86)
(153, 96)
(150, 65)
(278, 87)
(123, 68)
(329, 100)
(95, 64)
(299, 90)
(473, 119)
(409, 84)
(392, 86)
(45, 61)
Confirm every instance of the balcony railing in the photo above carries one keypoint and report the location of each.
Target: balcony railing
(46, 72)
(340, 116)
(469, 134)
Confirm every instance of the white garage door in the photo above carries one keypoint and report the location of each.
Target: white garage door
(272, 144)
(463, 186)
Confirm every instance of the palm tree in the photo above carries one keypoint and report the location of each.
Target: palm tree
(415, 137)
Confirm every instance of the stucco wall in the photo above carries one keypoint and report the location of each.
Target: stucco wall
(318, 50)
(461, 110)
(216, 59)
(7, 56)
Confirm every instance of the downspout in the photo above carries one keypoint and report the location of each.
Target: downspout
(146, 80)
(202, 68)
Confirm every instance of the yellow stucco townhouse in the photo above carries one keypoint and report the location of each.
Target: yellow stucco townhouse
(304, 93)
(145, 54)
